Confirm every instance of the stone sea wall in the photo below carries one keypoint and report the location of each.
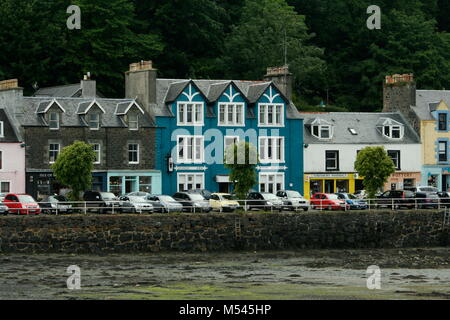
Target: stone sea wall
(221, 232)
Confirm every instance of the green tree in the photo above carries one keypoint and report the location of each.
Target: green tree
(242, 159)
(374, 164)
(74, 166)
(267, 31)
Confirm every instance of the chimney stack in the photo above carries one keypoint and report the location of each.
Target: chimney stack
(140, 83)
(88, 87)
(282, 79)
(11, 98)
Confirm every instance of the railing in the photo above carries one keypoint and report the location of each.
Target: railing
(122, 207)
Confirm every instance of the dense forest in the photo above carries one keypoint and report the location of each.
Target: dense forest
(334, 57)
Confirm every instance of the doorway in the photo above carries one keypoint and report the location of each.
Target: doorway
(329, 186)
(224, 187)
(445, 182)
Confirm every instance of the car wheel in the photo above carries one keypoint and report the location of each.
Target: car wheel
(329, 208)
(305, 209)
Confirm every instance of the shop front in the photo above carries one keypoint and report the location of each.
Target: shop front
(122, 182)
(332, 183)
(403, 180)
(436, 176)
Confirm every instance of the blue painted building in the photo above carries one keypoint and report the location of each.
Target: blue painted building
(198, 119)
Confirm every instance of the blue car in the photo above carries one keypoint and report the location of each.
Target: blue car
(353, 201)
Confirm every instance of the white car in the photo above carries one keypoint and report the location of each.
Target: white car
(293, 200)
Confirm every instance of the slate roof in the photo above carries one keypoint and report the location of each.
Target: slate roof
(364, 123)
(427, 101)
(10, 132)
(168, 90)
(72, 118)
(68, 91)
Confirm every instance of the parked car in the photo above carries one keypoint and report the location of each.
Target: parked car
(163, 203)
(101, 202)
(21, 204)
(135, 204)
(361, 194)
(2, 196)
(444, 198)
(396, 199)
(293, 200)
(422, 189)
(138, 194)
(327, 201)
(3, 209)
(205, 193)
(353, 202)
(192, 202)
(223, 202)
(426, 199)
(55, 204)
(263, 201)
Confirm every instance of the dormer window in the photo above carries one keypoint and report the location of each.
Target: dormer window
(321, 129)
(94, 121)
(133, 121)
(53, 120)
(391, 129)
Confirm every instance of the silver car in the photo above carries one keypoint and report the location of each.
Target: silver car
(293, 200)
(135, 204)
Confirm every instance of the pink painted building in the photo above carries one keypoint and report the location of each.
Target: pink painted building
(12, 156)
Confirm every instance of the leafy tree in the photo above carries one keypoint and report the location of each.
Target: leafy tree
(259, 40)
(242, 159)
(74, 166)
(374, 164)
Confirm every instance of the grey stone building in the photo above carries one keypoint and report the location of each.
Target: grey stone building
(121, 132)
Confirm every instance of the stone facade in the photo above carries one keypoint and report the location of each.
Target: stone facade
(219, 232)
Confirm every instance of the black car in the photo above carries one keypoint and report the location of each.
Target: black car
(55, 204)
(192, 202)
(102, 202)
(444, 198)
(263, 201)
(396, 199)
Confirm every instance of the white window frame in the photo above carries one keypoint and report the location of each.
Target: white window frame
(194, 106)
(134, 151)
(391, 128)
(263, 178)
(98, 122)
(1, 160)
(50, 120)
(195, 175)
(98, 152)
(336, 160)
(275, 107)
(135, 122)
(396, 162)
(263, 149)
(444, 152)
(185, 148)
(8, 182)
(321, 127)
(2, 132)
(50, 151)
(234, 114)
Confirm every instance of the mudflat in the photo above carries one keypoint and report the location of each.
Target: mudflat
(412, 273)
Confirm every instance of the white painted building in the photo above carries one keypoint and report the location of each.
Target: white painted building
(332, 141)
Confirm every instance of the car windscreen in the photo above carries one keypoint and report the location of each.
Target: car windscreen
(196, 197)
(108, 195)
(333, 197)
(26, 199)
(293, 194)
(137, 199)
(166, 199)
(351, 196)
(228, 197)
(269, 196)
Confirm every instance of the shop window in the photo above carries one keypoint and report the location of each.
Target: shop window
(115, 185)
(342, 186)
(145, 184)
(409, 183)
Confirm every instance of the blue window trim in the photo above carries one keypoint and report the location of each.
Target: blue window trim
(437, 121)
(437, 150)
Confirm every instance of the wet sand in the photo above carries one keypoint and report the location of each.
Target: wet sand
(305, 274)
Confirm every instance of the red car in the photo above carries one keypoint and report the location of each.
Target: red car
(327, 201)
(21, 204)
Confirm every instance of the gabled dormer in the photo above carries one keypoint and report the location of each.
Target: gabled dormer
(188, 102)
(270, 104)
(391, 129)
(130, 112)
(50, 112)
(91, 113)
(230, 104)
(441, 112)
(322, 129)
